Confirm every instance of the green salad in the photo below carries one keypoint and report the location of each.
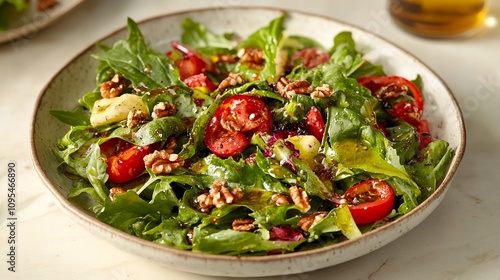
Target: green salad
(258, 145)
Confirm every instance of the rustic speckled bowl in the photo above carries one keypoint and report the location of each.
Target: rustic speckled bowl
(77, 77)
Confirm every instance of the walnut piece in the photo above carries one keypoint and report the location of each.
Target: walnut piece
(170, 145)
(225, 58)
(163, 109)
(305, 223)
(218, 196)
(323, 91)
(253, 57)
(392, 91)
(243, 224)
(300, 198)
(251, 159)
(162, 162)
(280, 199)
(231, 80)
(189, 236)
(232, 123)
(135, 117)
(287, 88)
(114, 191)
(113, 87)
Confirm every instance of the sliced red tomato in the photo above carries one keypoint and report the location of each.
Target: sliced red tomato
(376, 83)
(424, 134)
(200, 80)
(311, 57)
(191, 65)
(370, 201)
(315, 124)
(125, 160)
(194, 60)
(409, 112)
(234, 122)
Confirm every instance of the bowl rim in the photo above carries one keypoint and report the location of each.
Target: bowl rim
(83, 216)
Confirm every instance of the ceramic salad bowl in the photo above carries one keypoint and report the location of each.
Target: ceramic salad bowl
(78, 77)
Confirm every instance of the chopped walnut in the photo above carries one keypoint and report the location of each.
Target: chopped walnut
(204, 202)
(300, 198)
(251, 159)
(189, 236)
(323, 91)
(114, 191)
(232, 123)
(305, 223)
(163, 109)
(280, 199)
(170, 145)
(226, 58)
(135, 117)
(218, 195)
(287, 88)
(113, 87)
(392, 91)
(162, 162)
(231, 80)
(251, 56)
(243, 224)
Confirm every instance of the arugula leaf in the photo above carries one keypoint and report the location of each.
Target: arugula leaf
(348, 93)
(96, 172)
(295, 110)
(138, 63)
(267, 39)
(430, 172)
(344, 53)
(77, 117)
(73, 146)
(295, 43)
(170, 233)
(156, 130)
(127, 208)
(404, 140)
(197, 36)
(237, 174)
(230, 242)
(343, 123)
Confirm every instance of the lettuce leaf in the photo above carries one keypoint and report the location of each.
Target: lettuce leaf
(197, 36)
(230, 242)
(138, 63)
(431, 170)
(267, 39)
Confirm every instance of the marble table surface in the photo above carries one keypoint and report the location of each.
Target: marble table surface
(459, 240)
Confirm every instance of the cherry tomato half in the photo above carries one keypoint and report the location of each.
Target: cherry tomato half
(403, 110)
(370, 201)
(191, 65)
(311, 57)
(125, 160)
(315, 124)
(234, 122)
(377, 82)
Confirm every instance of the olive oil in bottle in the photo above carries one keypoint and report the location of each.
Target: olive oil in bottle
(439, 18)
